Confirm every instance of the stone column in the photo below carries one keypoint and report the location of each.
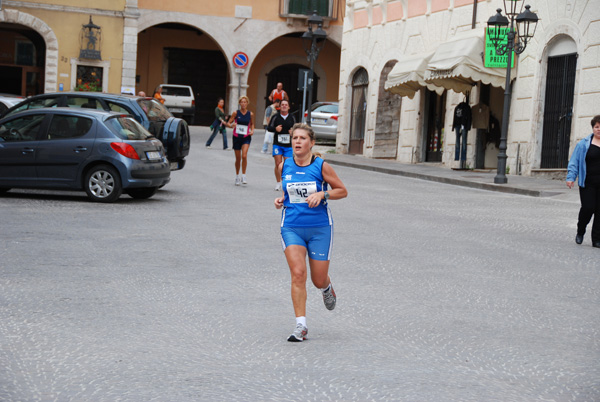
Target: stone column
(130, 37)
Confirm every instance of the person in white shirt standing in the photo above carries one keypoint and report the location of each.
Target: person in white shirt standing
(269, 112)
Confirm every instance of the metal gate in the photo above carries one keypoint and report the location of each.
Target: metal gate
(558, 111)
(358, 119)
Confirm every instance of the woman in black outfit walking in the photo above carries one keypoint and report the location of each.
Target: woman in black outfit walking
(585, 164)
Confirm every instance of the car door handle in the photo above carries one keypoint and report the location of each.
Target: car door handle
(80, 149)
(26, 151)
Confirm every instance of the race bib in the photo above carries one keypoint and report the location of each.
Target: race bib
(241, 129)
(284, 138)
(299, 192)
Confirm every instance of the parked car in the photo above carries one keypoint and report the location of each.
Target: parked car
(171, 131)
(7, 101)
(180, 100)
(103, 153)
(324, 119)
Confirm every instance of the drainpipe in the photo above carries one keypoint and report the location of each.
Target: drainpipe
(474, 14)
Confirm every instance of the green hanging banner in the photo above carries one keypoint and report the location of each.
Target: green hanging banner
(491, 58)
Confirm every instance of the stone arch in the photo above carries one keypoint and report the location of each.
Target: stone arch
(206, 24)
(279, 61)
(28, 20)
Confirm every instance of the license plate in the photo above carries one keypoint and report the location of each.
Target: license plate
(175, 110)
(319, 120)
(153, 155)
(174, 165)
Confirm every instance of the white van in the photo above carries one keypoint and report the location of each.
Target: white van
(179, 100)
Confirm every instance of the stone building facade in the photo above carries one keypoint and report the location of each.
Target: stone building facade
(555, 84)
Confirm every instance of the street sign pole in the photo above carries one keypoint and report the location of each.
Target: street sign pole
(304, 96)
(240, 60)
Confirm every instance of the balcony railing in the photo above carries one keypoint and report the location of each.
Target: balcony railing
(328, 9)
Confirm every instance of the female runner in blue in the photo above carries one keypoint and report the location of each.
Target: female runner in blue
(306, 223)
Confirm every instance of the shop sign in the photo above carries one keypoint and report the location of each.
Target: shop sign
(491, 58)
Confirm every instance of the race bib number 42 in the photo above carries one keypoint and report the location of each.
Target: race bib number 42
(299, 192)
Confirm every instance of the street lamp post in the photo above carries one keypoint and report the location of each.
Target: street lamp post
(517, 40)
(313, 41)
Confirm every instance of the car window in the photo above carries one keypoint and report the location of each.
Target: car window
(37, 103)
(329, 108)
(23, 128)
(125, 127)
(63, 126)
(118, 108)
(176, 91)
(154, 109)
(83, 102)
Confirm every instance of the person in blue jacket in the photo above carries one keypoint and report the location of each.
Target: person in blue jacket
(585, 164)
(308, 183)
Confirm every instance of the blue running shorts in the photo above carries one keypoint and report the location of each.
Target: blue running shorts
(286, 152)
(317, 241)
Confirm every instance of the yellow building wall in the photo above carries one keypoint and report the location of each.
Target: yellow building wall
(267, 10)
(67, 28)
(112, 5)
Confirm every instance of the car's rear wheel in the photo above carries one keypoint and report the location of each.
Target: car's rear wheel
(142, 193)
(103, 184)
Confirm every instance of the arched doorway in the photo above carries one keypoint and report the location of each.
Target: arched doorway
(181, 54)
(358, 116)
(387, 125)
(558, 105)
(289, 76)
(22, 60)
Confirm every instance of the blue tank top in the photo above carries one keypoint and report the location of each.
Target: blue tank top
(242, 120)
(298, 183)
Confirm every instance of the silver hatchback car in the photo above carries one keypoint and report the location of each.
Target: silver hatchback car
(324, 120)
(102, 153)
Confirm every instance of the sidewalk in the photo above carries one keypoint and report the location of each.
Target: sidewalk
(483, 180)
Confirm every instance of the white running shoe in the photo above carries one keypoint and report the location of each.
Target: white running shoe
(238, 180)
(299, 333)
(244, 180)
(329, 298)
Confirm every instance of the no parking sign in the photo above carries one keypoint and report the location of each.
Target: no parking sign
(240, 60)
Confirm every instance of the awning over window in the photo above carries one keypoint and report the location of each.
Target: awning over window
(458, 64)
(406, 78)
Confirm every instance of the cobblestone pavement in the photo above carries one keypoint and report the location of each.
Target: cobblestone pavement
(445, 293)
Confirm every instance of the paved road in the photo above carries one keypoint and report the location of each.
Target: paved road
(445, 293)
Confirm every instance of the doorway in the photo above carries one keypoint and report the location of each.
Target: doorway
(22, 60)
(288, 75)
(206, 72)
(387, 124)
(558, 111)
(358, 117)
(434, 125)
